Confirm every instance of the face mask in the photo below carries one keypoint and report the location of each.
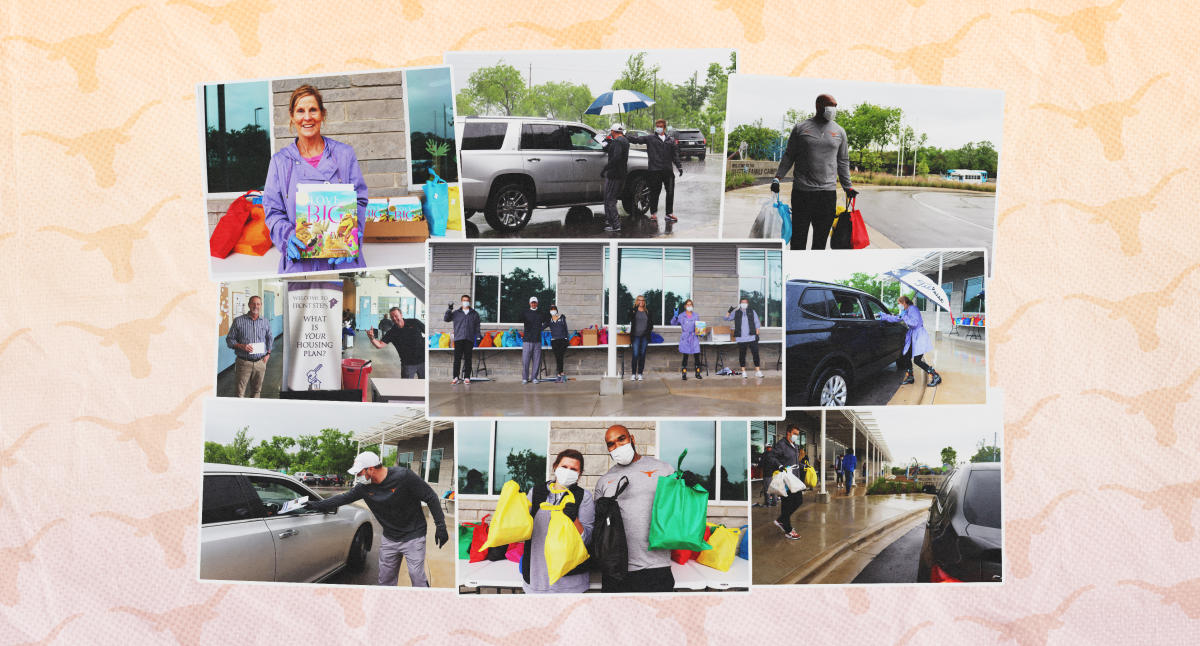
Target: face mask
(466, 305)
(553, 312)
(360, 480)
(623, 455)
(743, 305)
(794, 439)
(566, 477)
(658, 130)
(689, 308)
(830, 112)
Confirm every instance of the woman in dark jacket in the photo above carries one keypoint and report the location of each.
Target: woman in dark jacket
(641, 326)
(788, 452)
(559, 339)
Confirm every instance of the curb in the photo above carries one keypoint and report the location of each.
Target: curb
(807, 573)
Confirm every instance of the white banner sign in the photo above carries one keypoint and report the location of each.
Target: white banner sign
(312, 336)
(922, 285)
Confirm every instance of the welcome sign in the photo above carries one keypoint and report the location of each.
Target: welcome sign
(312, 336)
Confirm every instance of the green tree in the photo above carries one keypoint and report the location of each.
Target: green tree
(274, 454)
(556, 100)
(526, 467)
(518, 286)
(693, 93)
(759, 139)
(239, 450)
(986, 452)
(214, 452)
(335, 451)
(495, 89)
(639, 77)
(869, 126)
(949, 455)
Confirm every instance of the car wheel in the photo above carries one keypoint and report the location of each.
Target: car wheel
(832, 389)
(509, 208)
(637, 198)
(359, 547)
(701, 157)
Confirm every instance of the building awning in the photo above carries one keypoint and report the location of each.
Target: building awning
(402, 426)
(928, 264)
(840, 426)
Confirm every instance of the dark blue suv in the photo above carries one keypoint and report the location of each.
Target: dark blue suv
(834, 340)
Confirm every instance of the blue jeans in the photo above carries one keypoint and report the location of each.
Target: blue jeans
(638, 344)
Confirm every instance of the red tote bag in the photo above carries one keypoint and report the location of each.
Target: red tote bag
(859, 238)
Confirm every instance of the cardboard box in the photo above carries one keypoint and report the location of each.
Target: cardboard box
(417, 231)
(623, 338)
(590, 337)
(722, 333)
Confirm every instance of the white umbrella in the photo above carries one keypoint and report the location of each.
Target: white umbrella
(922, 285)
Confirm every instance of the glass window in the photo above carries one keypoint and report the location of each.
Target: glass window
(734, 472)
(405, 460)
(760, 279)
(429, 112)
(663, 276)
(237, 144)
(540, 136)
(435, 465)
(583, 139)
(875, 309)
(981, 505)
(274, 492)
(520, 454)
(224, 500)
(483, 135)
(506, 277)
(758, 443)
(973, 296)
(847, 306)
(949, 289)
(920, 301)
(473, 440)
(817, 302)
(699, 438)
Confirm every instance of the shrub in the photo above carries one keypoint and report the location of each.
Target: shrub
(884, 486)
(886, 179)
(738, 180)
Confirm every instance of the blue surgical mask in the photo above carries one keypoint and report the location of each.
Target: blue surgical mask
(659, 130)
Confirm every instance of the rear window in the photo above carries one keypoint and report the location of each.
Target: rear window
(848, 306)
(224, 500)
(981, 504)
(816, 301)
(689, 134)
(540, 136)
(483, 135)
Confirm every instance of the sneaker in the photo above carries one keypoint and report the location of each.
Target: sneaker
(744, 375)
(609, 229)
(684, 373)
(781, 527)
(698, 375)
(524, 381)
(641, 377)
(671, 218)
(454, 381)
(653, 217)
(758, 373)
(792, 536)
(467, 381)
(937, 379)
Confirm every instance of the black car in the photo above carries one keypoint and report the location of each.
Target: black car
(963, 535)
(691, 143)
(834, 340)
(333, 480)
(311, 480)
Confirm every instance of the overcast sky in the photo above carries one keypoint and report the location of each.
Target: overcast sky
(223, 417)
(922, 431)
(840, 264)
(951, 116)
(595, 68)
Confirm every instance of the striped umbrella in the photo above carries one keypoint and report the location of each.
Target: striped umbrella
(619, 101)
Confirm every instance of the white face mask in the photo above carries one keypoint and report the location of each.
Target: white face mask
(794, 439)
(743, 305)
(466, 305)
(553, 312)
(658, 130)
(830, 112)
(566, 477)
(361, 480)
(689, 308)
(623, 455)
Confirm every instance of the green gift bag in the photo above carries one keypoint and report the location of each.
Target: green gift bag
(679, 513)
(465, 531)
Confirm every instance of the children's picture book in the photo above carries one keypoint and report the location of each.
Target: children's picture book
(327, 220)
(377, 209)
(405, 209)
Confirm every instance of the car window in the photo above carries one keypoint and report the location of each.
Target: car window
(583, 139)
(483, 135)
(875, 308)
(274, 492)
(542, 136)
(816, 301)
(847, 306)
(981, 503)
(947, 484)
(224, 500)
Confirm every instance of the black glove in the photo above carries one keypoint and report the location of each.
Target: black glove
(681, 171)
(311, 506)
(731, 308)
(571, 509)
(449, 306)
(775, 185)
(851, 194)
(441, 536)
(690, 479)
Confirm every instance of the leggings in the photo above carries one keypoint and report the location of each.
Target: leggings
(685, 358)
(907, 360)
(560, 352)
(462, 357)
(753, 345)
(638, 346)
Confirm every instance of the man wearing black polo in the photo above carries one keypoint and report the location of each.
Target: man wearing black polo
(408, 337)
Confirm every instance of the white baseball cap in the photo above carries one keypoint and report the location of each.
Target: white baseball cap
(618, 127)
(365, 460)
(533, 299)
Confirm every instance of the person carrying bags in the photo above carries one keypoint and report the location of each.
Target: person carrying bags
(547, 547)
(787, 452)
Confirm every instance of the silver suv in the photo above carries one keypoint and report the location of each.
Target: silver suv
(512, 165)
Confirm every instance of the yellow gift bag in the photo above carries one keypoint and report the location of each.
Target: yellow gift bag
(810, 477)
(564, 545)
(511, 522)
(456, 209)
(724, 541)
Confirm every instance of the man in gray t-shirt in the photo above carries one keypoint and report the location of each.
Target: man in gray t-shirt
(649, 570)
(818, 150)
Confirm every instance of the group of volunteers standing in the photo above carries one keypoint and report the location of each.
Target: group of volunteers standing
(662, 153)
(466, 330)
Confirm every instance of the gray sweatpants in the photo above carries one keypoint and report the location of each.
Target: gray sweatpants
(392, 552)
(531, 359)
(413, 371)
(612, 193)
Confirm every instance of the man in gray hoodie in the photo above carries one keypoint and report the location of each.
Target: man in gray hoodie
(466, 330)
(817, 148)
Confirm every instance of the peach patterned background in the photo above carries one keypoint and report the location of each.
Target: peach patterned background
(106, 332)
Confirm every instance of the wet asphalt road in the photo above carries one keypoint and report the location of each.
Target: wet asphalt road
(897, 563)
(697, 205)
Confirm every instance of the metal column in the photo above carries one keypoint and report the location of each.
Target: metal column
(611, 323)
(823, 413)
(428, 451)
(937, 318)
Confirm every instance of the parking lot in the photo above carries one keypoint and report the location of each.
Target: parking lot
(697, 205)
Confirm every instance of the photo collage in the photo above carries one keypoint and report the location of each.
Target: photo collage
(677, 354)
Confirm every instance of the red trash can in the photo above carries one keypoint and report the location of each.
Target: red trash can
(356, 374)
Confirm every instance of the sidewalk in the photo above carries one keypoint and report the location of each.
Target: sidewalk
(825, 529)
(741, 207)
(963, 367)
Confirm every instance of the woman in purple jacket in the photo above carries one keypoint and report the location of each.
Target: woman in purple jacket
(916, 341)
(309, 159)
(688, 343)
